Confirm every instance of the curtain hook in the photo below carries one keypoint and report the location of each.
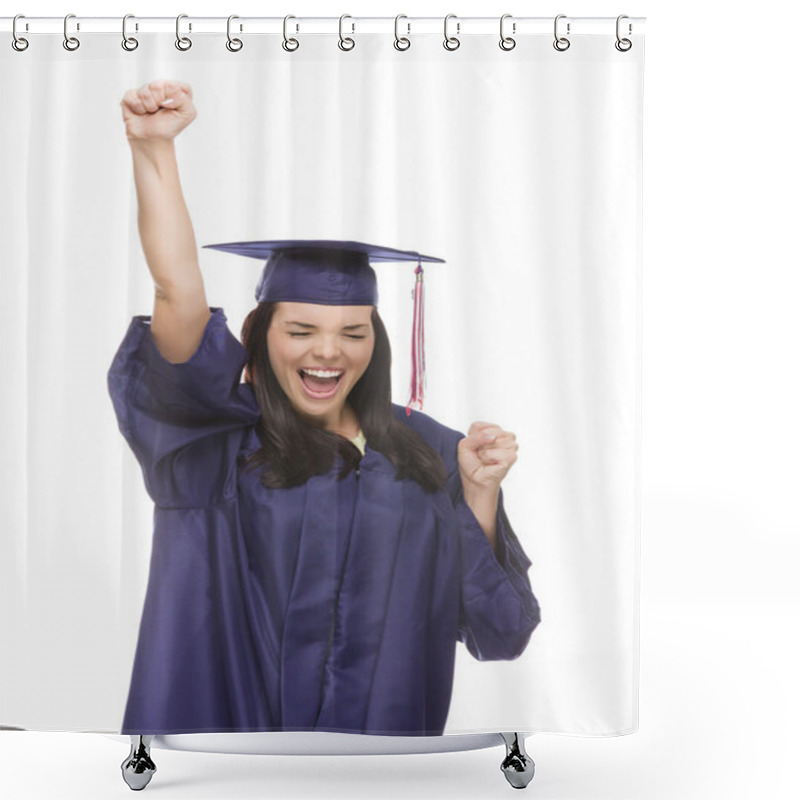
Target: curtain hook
(401, 43)
(290, 45)
(234, 45)
(70, 42)
(129, 43)
(182, 42)
(623, 45)
(506, 42)
(18, 42)
(451, 42)
(346, 43)
(561, 43)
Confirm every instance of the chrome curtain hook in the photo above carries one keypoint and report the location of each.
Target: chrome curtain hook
(290, 45)
(234, 45)
(129, 43)
(506, 42)
(18, 42)
(182, 42)
(345, 42)
(623, 45)
(561, 43)
(451, 42)
(401, 42)
(70, 42)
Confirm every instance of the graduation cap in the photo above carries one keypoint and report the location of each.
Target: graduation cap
(338, 273)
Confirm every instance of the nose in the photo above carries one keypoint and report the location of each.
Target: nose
(326, 347)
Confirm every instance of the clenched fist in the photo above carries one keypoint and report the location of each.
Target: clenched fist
(485, 455)
(158, 110)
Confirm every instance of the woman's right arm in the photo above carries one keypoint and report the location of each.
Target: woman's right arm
(154, 114)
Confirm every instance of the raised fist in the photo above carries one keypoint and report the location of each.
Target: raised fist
(485, 455)
(158, 110)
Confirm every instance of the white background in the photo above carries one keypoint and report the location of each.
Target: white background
(720, 523)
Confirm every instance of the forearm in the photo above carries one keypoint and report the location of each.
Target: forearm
(165, 228)
(483, 504)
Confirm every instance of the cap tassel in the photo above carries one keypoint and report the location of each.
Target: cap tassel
(417, 346)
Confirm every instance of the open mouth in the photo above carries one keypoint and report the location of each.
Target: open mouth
(320, 383)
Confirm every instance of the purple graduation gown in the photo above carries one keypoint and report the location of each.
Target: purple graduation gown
(335, 605)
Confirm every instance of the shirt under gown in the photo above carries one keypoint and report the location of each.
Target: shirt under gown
(335, 605)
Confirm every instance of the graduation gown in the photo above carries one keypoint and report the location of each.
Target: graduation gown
(335, 605)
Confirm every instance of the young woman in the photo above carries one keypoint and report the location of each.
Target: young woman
(317, 550)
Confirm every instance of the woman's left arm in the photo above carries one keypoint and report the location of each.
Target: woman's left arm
(485, 455)
(498, 609)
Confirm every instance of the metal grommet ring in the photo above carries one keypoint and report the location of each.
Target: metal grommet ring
(129, 43)
(345, 42)
(183, 43)
(451, 42)
(401, 43)
(70, 42)
(561, 43)
(18, 42)
(234, 45)
(623, 45)
(290, 45)
(506, 42)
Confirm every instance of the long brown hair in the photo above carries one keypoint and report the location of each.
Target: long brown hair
(292, 450)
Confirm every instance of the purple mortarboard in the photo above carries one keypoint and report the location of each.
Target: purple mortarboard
(336, 273)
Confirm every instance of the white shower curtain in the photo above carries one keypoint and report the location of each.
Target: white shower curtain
(521, 169)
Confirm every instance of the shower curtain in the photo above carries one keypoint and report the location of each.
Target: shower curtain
(519, 167)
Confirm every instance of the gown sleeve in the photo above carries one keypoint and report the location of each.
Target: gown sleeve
(498, 608)
(179, 418)
(498, 611)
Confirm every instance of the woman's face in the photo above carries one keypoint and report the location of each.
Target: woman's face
(318, 353)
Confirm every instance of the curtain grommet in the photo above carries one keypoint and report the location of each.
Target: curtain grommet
(401, 43)
(19, 43)
(70, 43)
(183, 43)
(129, 43)
(233, 44)
(507, 42)
(289, 44)
(623, 44)
(451, 43)
(561, 43)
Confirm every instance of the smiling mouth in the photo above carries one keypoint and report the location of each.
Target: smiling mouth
(320, 383)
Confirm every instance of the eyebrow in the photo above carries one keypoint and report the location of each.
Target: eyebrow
(307, 325)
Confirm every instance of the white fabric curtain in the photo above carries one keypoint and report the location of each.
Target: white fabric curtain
(521, 169)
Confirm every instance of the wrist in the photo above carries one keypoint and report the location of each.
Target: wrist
(154, 150)
(480, 492)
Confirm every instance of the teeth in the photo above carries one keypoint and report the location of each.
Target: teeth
(324, 373)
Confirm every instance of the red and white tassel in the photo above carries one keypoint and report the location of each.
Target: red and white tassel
(417, 346)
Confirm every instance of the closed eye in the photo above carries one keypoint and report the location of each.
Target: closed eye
(302, 334)
(298, 334)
